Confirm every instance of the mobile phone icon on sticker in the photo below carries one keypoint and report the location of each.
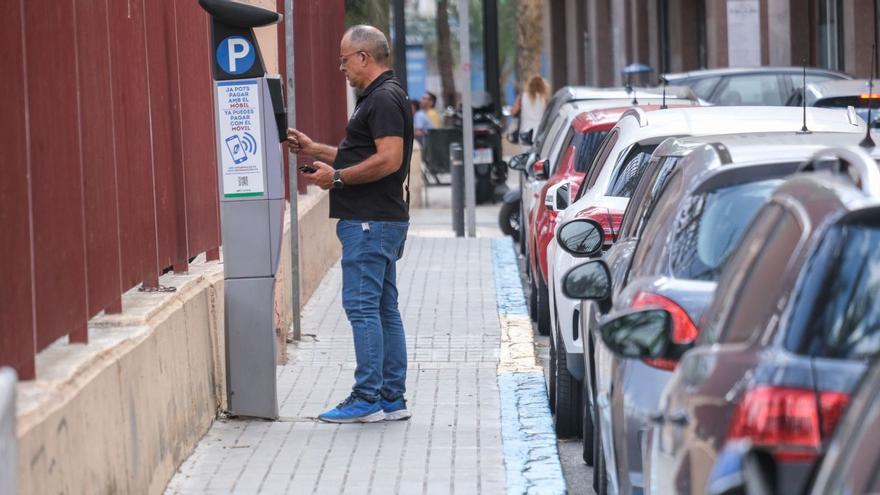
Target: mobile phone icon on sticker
(233, 143)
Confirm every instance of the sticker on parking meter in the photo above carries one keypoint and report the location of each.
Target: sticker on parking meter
(236, 55)
(241, 154)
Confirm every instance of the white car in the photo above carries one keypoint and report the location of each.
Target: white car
(604, 195)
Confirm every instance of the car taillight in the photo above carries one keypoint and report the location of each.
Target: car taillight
(683, 329)
(870, 96)
(609, 219)
(789, 421)
(538, 167)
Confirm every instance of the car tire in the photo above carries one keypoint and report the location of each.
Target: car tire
(543, 309)
(600, 474)
(533, 296)
(567, 420)
(587, 429)
(508, 220)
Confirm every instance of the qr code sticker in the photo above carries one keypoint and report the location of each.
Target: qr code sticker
(242, 181)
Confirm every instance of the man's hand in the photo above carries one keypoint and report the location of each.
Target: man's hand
(299, 142)
(322, 176)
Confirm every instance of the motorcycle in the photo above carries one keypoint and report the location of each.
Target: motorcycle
(489, 167)
(509, 214)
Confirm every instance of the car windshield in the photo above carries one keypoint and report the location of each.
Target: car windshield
(846, 324)
(709, 226)
(627, 173)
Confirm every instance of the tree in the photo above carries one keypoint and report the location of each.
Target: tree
(444, 53)
(375, 13)
(530, 39)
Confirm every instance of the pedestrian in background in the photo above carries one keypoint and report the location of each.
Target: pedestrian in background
(422, 121)
(530, 105)
(428, 102)
(366, 183)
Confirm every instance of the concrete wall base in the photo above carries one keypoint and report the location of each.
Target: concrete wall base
(120, 414)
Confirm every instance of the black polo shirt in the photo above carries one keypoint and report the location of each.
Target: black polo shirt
(382, 110)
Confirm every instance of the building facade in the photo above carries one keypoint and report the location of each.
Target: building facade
(590, 41)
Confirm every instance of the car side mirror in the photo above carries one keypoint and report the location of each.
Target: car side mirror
(557, 197)
(526, 138)
(581, 237)
(519, 162)
(743, 469)
(592, 280)
(539, 168)
(638, 334)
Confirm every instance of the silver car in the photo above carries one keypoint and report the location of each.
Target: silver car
(686, 217)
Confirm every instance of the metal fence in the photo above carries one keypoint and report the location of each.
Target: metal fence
(109, 166)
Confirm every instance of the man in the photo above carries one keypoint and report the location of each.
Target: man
(366, 195)
(428, 102)
(421, 122)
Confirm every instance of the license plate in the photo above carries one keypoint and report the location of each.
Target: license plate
(483, 155)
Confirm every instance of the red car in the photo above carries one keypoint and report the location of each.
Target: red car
(580, 144)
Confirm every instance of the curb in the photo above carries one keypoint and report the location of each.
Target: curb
(531, 458)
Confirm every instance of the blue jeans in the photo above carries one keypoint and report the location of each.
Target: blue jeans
(369, 297)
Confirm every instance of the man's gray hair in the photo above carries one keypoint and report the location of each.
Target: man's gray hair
(370, 40)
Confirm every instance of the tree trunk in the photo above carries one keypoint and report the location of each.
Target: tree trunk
(529, 40)
(444, 53)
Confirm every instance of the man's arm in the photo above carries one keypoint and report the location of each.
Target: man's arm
(386, 161)
(298, 142)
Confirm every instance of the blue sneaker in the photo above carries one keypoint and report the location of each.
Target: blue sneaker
(395, 410)
(354, 410)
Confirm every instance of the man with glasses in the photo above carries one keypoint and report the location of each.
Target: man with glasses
(366, 183)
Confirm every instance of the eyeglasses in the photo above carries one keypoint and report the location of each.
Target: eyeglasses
(343, 59)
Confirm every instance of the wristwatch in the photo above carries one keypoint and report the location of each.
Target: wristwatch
(337, 180)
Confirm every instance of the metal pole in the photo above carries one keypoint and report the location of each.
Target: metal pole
(456, 168)
(294, 191)
(467, 115)
(400, 42)
(490, 44)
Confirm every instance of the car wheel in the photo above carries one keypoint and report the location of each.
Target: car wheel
(533, 296)
(600, 475)
(543, 309)
(551, 381)
(587, 425)
(568, 398)
(508, 220)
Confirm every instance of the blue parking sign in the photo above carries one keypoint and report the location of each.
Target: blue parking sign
(236, 55)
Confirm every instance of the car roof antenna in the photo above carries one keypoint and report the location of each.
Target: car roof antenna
(804, 129)
(663, 105)
(868, 142)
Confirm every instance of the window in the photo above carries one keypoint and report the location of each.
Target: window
(733, 278)
(703, 87)
(587, 144)
(845, 315)
(709, 226)
(829, 14)
(560, 157)
(750, 89)
(598, 162)
(653, 229)
(758, 298)
(642, 202)
(627, 173)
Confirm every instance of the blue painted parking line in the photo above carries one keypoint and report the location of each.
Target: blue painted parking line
(530, 455)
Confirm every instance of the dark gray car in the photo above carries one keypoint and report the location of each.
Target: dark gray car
(783, 342)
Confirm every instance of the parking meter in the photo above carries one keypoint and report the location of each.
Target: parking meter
(251, 123)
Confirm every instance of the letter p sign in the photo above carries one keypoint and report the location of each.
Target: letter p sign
(235, 55)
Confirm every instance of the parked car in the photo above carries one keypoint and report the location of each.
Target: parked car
(749, 86)
(765, 347)
(615, 97)
(854, 93)
(610, 183)
(689, 212)
(851, 464)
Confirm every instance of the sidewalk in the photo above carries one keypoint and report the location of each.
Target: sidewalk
(458, 440)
